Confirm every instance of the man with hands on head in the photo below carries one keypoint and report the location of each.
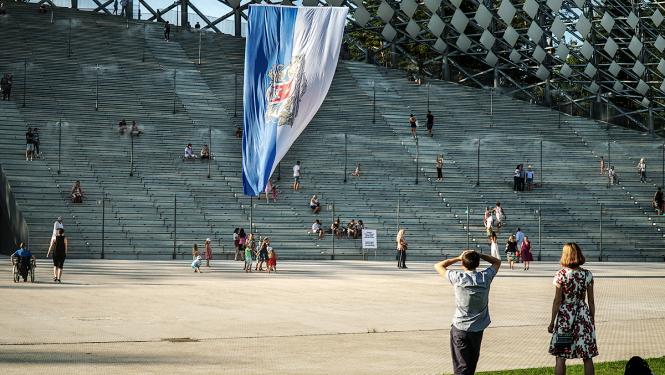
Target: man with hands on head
(471, 306)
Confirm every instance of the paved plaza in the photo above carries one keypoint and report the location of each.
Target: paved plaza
(344, 317)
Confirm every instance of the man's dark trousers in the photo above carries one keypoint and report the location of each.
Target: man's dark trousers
(465, 349)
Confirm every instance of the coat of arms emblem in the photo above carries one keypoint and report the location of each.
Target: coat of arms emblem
(287, 86)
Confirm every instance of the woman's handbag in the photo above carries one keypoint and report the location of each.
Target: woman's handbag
(563, 340)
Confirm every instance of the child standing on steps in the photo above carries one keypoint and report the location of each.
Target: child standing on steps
(196, 263)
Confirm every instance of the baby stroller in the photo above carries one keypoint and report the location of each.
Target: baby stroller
(24, 267)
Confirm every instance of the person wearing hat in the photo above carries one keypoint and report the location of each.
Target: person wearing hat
(56, 226)
(529, 178)
(208, 252)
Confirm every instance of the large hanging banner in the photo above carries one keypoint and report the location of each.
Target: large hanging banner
(290, 59)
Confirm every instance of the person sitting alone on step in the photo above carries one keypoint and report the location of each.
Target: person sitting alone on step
(315, 205)
(77, 193)
(356, 172)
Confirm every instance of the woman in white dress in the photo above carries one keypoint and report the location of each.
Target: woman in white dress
(494, 246)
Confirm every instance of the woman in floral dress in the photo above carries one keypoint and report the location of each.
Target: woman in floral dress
(574, 285)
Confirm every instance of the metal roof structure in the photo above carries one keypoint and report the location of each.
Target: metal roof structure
(603, 58)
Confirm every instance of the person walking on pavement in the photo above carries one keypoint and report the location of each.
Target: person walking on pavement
(402, 246)
(59, 248)
(56, 226)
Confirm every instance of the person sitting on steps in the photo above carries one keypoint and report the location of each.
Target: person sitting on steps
(315, 205)
(189, 153)
(77, 193)
(205, 152)
(122, 127)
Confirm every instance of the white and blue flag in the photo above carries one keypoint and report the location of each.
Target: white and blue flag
(290, 59)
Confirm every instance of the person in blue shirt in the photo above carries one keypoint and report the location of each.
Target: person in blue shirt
(23, 259)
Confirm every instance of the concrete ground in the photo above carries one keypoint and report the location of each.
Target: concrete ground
(345, 317)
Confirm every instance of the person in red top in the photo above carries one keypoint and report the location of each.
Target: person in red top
(525, 253)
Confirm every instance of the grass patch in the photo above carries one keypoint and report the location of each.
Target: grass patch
(604, 368)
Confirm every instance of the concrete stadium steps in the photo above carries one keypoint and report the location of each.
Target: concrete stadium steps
(136, 83)
(454, 135)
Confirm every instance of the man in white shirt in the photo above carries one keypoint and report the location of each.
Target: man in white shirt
(57, 225)
(296, 176)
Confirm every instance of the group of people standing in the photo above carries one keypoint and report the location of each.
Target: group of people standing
(523, 179)
(517, 247)
(613, 176)
(32, 144)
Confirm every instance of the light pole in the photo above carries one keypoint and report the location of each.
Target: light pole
(428, 96)
(491, 106)
(332, 207)
(131, 155)
(398, 199)
(600, 250)
(97, 87)
(210, 149)
(541, 163)
(59, 142)
(199, 47)
(25, 78)
(251, 217)
(540, 226)
(175, 222)
(478, 165)
(69, 39)
(373, 102)
(417, 159)
(103, 222)
(235, 95)
(143, 55)
(174, 88)
(345, 154)
(662, 172)
(468, 233)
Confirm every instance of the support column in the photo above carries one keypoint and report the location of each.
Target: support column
(238, 24)
(130, 9)
(496, 77)
(446, 68)
(548, 93)
(393, 55)
(651, 130)
(75, 4)
(184, 18)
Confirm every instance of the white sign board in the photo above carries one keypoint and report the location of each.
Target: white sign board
(369, 239)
